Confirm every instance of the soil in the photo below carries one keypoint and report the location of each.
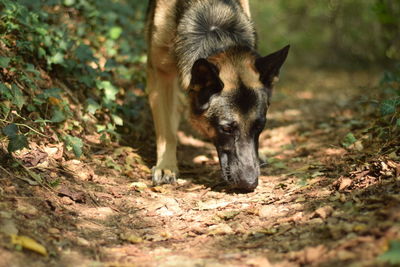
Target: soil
(317, 204)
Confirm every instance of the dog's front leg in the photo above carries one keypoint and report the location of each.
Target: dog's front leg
(163, 98)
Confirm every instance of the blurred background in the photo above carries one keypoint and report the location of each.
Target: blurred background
(331, 33)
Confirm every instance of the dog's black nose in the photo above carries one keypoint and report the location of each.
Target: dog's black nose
(247, 185)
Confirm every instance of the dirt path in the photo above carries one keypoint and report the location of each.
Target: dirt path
(312, 207)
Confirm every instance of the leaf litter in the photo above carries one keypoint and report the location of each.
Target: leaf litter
(318, 203)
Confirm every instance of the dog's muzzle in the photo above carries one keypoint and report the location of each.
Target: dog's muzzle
(240, 167)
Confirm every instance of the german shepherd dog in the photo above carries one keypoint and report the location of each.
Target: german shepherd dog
(207, 49)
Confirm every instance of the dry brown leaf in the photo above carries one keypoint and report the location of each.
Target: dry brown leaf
(324, 212)
(313, 254)
(345, 183)
(220, 229)
(259, 262)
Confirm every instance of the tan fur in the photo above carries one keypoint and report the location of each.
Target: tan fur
(245, 6)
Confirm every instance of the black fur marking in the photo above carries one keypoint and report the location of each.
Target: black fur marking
(270, 65)
(245, 99)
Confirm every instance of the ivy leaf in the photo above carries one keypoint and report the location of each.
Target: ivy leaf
(4, 62)
(10, 130)
(389, 106)
(4, 91)
(75, 144)
(348, 140)
(84, 53)
(117, 120)
(69, 2)
(57, 58)
(110, 91)
(18, 97)
(17, 142)
(93, 106)
(58, 116)
(393, 254)
(53, 92)
(115, 32)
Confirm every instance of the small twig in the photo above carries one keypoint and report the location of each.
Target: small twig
(27, 126)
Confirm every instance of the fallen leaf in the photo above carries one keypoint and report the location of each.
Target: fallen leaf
(132, 238)
(313, 254)
(267, 211)
(227, 215)
(324, 212)
(28, 243)
(8, 227)
(26, 208)
(220, 229)
(212, 204)
(72, 194)
(259, 262)
(144, 168)
(345, 183)
(138, 186)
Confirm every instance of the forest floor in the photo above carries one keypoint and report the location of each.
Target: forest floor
(317, 204)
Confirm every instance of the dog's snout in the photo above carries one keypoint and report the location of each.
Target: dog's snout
(248, 185)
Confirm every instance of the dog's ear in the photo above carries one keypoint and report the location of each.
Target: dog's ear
(269, 66)
(205, 83)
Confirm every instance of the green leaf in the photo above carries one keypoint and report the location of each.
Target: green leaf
(75, 144)
(53, 92)
(117, 120)
(57, 58)
(17, 142)
(93, 106)
(69, 2)
(10, 130)
(4, 62)
(398, 123)
(393, 254)
(18, 98)
(58, 116)
(5, 91)
(41, 30)
(110, 91)
(389, 106)
(84, 53)
(115, 32)
(348, 140)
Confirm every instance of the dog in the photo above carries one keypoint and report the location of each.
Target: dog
(207, 49)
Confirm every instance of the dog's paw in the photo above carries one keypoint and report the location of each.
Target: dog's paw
(163, 176)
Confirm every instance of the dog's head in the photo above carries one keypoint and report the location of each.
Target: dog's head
(229, 95)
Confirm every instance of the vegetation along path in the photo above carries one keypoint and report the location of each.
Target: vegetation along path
(319, 202)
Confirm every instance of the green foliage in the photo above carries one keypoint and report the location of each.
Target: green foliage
(390, 83)
(348, 140)
(328, 33)
(75, 144)
(392, 256)
(16, 141)
(92, 49)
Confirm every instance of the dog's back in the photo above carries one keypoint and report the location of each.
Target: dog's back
(192, 29)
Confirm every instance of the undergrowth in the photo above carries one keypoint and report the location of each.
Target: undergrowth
(69, 68)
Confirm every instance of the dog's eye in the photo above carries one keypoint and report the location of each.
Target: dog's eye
(228, 128)
(259, 124)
